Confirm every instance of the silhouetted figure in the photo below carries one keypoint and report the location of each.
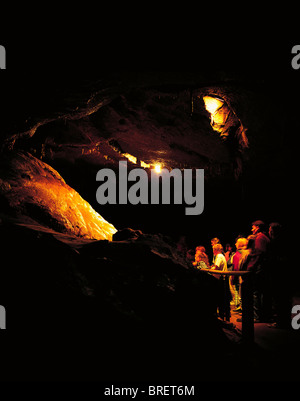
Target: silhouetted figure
(190, 257)
(201, 258)
(228, 252)
(280, 279)
(213, 242)
(258, 263)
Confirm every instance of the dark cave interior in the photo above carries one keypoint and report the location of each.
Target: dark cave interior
(56, 135)
(162, 118)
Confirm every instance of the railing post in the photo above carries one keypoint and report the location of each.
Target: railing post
(247, 300)
(226, 298)
(247, 306)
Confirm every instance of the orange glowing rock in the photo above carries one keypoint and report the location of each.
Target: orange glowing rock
(212, 104)
(32, 188)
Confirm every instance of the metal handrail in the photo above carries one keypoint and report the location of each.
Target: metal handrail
(228, 272)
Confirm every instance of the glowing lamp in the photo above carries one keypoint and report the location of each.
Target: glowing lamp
(157, 168)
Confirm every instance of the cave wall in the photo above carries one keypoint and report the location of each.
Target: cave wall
(160, 118)
(31, 189)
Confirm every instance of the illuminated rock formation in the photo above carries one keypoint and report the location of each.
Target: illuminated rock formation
(30, 187)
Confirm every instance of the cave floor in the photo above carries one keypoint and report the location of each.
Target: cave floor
(274, 356)
(275, 353)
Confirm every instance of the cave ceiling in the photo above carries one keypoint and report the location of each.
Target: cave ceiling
(154, 119)
(151, 118)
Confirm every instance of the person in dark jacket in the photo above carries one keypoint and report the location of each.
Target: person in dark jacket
(259, 265)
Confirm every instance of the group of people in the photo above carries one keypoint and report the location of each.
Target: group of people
(263, 254)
